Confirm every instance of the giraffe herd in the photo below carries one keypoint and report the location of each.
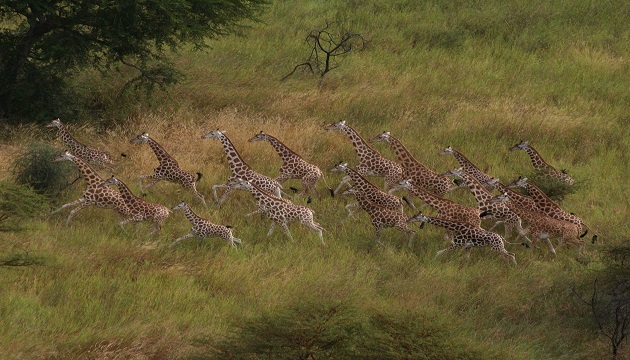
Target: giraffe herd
(533, 215)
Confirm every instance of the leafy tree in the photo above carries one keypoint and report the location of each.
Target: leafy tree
(42, 42)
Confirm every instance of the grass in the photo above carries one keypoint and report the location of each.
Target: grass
(476, 76)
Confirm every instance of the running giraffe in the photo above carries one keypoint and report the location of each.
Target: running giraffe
(294, 166)
(523, 201)
(382, 217)
(94, 157)
(281, 211)
(541, 166)
(541, 226)
(446, 209)
(467, 236)
(469, 167)
(550, 207)
(94, 193)
(501, 213)
(371, 163)
(371, 191)
(140, 209)
(203, 228)
(415, 171)
(239, 169)
(168, 169)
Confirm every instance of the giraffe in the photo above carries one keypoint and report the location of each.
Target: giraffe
(415, 171)
(281, 211)
(382, 217)
(550, 207)
(294, 166)
(498, 211)
(240, 170)
(140, 208)
(371, 191)
(541, 226)
(523, 201)
(469, 167)
(541, 166)
(168, 169)
(446, 209)
(467, 236)
(203, 228)
(96, 158)
(94, 193)
(371, 163)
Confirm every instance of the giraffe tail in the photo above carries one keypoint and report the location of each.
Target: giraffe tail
(332, 192)
(199, 176)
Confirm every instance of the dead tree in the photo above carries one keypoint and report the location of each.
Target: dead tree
(328, 49)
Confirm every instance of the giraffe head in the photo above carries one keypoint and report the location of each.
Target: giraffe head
(261, 136)
(336, 126)
(56, 123)
(349, 191)
(492, 182)
(385, 137)
(405, 184)
(448, 151)
(518, 183)
(520, 146)
(66, 155)
(217, 134)
(341, 167)
(459, 172)
(502, 198)
(111, 181)
(181, 206)
(142, 138)
(241, 184)
(419, 217)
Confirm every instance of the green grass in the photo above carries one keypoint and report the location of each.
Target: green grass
(478, 76)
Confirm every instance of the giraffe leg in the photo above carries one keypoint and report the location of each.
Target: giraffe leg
(187, 236)
(75, 210)
(214, 190)
(259, 211)
(80, 201)
(349, 208)
(286, 230)
(344, 181)
(545, 237)
(225, 194)
(450, 248)
(233, 241)
(317, 228)
(193, 187)
(141, 179)
(271, 228)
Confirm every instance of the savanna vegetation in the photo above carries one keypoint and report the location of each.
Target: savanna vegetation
(476, 75)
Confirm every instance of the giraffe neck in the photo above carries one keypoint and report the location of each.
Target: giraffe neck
(127, 195)
(68, 139)
(537, 160)
(427, 197)
(403, 155)
(161, 154)
(190, 215)
(365, 203)
(539, 196)
(465, 163)
(92, 178)
(479, 191)
(449, 225)
(513, 196)
(237, 164)
(360, 182)
(363, 149)
(283, 151)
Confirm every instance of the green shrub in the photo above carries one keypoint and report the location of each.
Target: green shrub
(19, 202)
(36, 169)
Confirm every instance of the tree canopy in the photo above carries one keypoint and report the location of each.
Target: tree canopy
(42, 42)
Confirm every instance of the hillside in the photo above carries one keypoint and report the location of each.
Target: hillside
(477, 76)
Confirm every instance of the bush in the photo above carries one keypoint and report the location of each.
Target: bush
(36, 169)
(19, 202)
(556, 190)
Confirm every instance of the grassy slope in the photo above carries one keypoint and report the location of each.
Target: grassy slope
(479, 76)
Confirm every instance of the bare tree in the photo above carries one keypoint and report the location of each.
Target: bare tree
(328, 49)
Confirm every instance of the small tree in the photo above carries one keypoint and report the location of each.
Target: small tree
(328, 48)
(44, 41)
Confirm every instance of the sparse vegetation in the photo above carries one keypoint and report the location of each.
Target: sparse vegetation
(479, 76)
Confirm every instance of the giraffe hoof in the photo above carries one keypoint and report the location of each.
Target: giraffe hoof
(525, 244)
(309, 200)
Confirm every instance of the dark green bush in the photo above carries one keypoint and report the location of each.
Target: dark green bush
(556, 190)
(36, 169)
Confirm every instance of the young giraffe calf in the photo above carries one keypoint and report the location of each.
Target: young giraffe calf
(541, 166)
(467, 236)
(203, 228)
(281, 211)
(168, 169)
(382, 217)
(139, 208)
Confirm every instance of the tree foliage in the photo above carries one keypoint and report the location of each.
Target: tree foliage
(42, 42)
